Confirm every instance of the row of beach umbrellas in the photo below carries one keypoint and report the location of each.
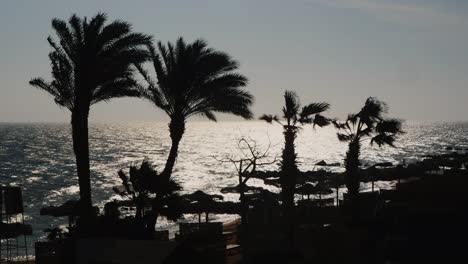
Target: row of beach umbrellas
(319, 189)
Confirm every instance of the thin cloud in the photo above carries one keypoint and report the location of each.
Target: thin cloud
(398, 12)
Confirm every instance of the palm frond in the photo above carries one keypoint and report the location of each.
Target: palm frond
(305, 120)
(339, 125)
(118, 88)
(126, 43)
(373, 109)
(195, 80)
(366, 131)
(344, 137)
(95, 54)
(321, 121)
(384, 139)
(291, 106)
(210, 115)
(268, 118)
(125, 182)
(352, 119)
(233, 101)
(97, 22)
(42, 84)
(314, 108)
(214, 85)
(77, 29)
(65, 36)
(389, 126)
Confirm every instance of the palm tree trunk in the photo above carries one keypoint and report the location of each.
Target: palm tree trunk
(176, 130)
(153, 217)
(289, 168)
(337, 196)
(352, 177)
(139, 208)
(151, 227)
(81, 148)
(288, 177)
(139, 212)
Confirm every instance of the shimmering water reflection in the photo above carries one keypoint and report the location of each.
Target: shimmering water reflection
(39, 157)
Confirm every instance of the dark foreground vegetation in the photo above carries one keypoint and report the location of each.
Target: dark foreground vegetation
(423, 219)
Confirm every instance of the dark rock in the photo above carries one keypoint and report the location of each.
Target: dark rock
(321, 163)
(384, 164)
(324, 163)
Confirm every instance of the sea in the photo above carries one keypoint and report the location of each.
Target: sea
(39, 157)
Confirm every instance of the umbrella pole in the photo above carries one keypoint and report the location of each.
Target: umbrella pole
(337, 196)
(206, 217)
(199, 218)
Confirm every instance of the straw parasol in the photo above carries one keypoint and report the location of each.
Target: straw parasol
(322, 188)
(236, 189)
(264, 197)
(202, 202)
(306, 189)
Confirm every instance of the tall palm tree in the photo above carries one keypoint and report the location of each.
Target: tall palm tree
(369, 123)
(294, 118)
(193, 79)
(91, 62)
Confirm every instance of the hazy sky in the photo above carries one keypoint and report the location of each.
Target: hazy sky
(413, 54)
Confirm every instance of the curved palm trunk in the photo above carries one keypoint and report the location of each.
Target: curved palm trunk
(176, 130)
(153, 216)
(79, 124)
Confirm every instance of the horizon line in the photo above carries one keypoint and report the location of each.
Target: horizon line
(201, 121)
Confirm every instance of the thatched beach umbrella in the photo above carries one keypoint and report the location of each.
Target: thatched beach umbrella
(236, 189)
(69, 209)
(306, 189)
(337, 180)
(372, 175)
(322, 188)
(264, 197)
(202, 202)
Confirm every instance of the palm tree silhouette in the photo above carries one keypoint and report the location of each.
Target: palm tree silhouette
(145, 187)
(193, 79)
(294, 119)
(91, 62)
(368, 123)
